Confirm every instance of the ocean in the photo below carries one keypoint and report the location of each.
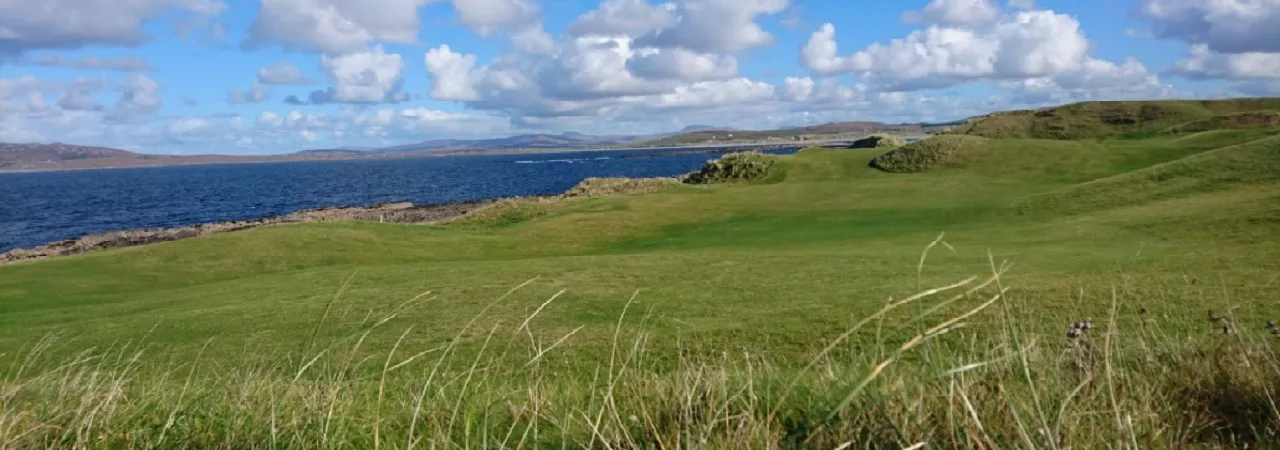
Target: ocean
(41, 207)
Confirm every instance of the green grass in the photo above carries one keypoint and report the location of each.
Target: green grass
(1094, 120)
(699, 315)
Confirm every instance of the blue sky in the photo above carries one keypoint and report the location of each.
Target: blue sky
(276, 76)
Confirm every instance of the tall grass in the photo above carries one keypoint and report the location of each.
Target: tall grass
(986, 383)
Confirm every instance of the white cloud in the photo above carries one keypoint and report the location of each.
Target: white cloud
(820, 53)
(37, 107)
(78, 96)
(798, 89)
(1023, 4)
(533, 39)
(189, 127)
(139, 96)
(592, 68)
(486, 17)
(1203, 63)
(1253, 88)
(54, 24)
(450, 74)
(596, 76)
(683, 65)
(1023, 45)
(934, 55)
(519, 19)
(123, 64)
(283, 73)
(366, 77)
(1094, 80)
(1225, 26)
(257, 93)
(624, 18)
(335, 26)
(716, 26)
(710, 94)
(268, 119)
(955, 13)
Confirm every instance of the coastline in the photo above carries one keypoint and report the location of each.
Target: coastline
(396, 212)
(402, 212)
(291, 158)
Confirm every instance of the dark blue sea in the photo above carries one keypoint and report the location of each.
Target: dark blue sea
(42, 207)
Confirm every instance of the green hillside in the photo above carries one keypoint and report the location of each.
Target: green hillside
(775, 313)
(1091, 120)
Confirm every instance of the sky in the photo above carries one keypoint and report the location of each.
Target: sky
(277, 76)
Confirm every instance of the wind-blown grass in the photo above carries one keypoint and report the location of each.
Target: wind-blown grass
(984, 383)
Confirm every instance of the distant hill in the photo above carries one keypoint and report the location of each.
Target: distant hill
(333, 152)
(60, 156)
(525, 141)
(811, 132)
(1089, 120)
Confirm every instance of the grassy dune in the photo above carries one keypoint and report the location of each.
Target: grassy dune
(828, 305)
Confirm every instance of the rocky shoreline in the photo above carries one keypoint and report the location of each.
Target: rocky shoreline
(403, 212)
(386, 212)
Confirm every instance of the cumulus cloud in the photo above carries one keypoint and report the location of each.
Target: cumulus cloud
(681, 64)
(372, 76)
(450, 74)
(1023, 4)
(1224, 26)
(283, 73)
(486, 17)
(122, 64)
(1203, 63)
(1025, 45)
(55, 24)
(596, 76)
(139, 97)
(700, 95)
(716, 26)
(798, 89)
(624, 18)
(955, 12)
(521, 20)
(269, 120)
(257, 93)
(334, 26)
(186, 127)
(1094, 80)
(79, 95)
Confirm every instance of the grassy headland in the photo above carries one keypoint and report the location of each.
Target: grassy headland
(820, 305)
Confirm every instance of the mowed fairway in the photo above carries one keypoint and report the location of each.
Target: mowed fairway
(741, 283)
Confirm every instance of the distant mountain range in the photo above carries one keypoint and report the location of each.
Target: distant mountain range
(536, 141)
(60, 156)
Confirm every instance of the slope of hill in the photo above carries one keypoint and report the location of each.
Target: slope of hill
(1252, 163)
(835, 130)
(59, 156)
(524, 141)
(1091, 120)
(27, 156)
